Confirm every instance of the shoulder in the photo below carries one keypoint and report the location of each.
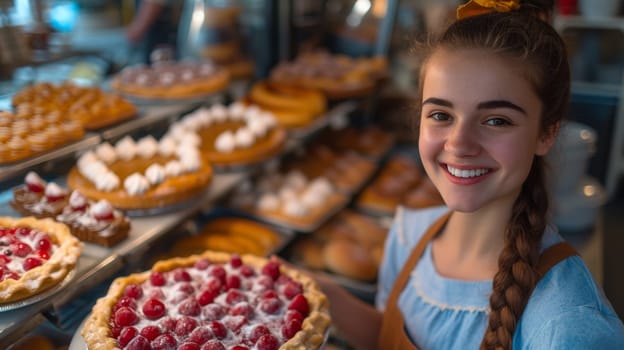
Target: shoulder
(407, 229)
(410, 225)
(568, 310)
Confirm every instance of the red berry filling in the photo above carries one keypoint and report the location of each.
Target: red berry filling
(22, 249)
(210, 306)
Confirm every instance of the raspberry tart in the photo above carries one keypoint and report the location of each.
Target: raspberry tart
(210, 301)
(35, 255)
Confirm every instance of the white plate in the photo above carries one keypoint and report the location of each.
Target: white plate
(77, 343)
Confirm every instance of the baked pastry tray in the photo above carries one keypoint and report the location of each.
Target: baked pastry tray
(78, 343)
(301, 225)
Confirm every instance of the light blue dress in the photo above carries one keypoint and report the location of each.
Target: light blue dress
(567, 310)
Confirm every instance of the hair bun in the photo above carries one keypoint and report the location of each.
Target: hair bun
(542, 9)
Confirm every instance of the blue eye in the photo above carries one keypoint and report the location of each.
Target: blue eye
(497, 122)
(440, 116)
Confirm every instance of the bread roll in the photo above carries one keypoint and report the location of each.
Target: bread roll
(349, 259)
(310, 253)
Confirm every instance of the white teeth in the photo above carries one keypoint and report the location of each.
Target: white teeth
(466, 173)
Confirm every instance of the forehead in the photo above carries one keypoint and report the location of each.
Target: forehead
(476, 74)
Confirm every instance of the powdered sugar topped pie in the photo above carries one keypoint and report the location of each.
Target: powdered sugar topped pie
(171, 80)
(141, 174)
(35, 255)
(237, 134)
(210, 301)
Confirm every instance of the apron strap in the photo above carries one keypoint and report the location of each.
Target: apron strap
(393, 335)
(392, 326)
(553, 255)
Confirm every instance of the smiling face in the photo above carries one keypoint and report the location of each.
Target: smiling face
(479, 128)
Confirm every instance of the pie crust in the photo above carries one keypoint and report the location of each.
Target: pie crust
(262, 149)
(147, 82)
(65, 250)
(338, 76)
(171, 191)
(99, 327)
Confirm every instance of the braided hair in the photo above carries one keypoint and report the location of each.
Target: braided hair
(533, 44)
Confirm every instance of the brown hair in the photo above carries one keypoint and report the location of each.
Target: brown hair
(525, 39)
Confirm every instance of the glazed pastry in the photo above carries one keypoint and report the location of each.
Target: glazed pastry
(398, 176)
(91, 107)
(231, 235)
(292, 106)
(350, 245)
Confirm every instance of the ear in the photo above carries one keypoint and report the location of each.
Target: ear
(545, 141)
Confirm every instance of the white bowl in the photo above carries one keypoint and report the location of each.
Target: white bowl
(578, 210)
(569, 158)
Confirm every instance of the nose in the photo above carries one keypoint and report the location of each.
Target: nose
(463, 141)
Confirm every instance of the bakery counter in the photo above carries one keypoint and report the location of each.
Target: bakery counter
(97, 263)
(11, 170)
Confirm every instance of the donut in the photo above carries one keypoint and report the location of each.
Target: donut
(292, 106)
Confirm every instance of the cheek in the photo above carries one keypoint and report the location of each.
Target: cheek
(428, 145)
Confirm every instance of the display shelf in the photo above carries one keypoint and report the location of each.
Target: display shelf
(11, 170)
(147, 117)
(96, 263)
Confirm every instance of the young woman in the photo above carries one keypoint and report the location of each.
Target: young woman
(488, 270)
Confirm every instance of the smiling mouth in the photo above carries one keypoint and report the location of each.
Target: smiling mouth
(465, 173)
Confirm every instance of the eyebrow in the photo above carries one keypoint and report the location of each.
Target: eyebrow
(483, 105)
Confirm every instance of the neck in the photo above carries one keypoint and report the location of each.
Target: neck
(469, 246)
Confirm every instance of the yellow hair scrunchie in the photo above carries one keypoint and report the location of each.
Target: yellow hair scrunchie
(479, 7)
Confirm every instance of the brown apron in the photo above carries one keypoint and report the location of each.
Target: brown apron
(393, 335)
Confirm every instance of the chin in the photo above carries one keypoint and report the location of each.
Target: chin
(462, 206)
